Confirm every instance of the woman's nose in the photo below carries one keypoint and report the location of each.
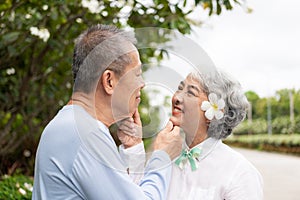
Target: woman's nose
(178, 98)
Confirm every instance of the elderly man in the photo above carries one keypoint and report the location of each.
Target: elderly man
(77, 157)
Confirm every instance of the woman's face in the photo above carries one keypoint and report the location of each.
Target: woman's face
(186, 108)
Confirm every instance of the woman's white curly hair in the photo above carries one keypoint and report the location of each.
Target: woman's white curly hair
(230, 90)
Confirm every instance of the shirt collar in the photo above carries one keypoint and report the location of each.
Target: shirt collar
(207, 146)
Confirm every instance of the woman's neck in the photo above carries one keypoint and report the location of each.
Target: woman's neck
(199, 137)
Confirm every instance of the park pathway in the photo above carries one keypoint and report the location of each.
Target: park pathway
(281, 173)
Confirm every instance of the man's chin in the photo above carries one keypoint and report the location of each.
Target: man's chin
(120, 118)
(121, 115)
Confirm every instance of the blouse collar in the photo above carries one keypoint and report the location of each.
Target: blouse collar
(206, 146)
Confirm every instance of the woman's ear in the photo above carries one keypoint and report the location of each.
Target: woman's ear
(108, 81)
(207, 122)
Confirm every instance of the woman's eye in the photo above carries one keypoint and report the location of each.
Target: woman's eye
(180, 88)
(191, 93)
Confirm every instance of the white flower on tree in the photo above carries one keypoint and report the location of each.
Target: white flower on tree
(93, 6)
(42, 33)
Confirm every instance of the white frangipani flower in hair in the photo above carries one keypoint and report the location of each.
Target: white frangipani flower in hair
(214, 107)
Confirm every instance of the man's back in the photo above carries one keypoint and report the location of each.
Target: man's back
(63, 156)
(57, 151)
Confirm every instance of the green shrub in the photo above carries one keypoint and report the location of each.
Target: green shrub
(277, 143)
(16, 187)
(258, 126)
(297, 124)
(282, 125)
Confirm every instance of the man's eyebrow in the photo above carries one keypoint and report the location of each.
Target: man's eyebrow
(182, 83)
(193, 87)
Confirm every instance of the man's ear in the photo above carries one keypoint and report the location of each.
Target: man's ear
(108, 81)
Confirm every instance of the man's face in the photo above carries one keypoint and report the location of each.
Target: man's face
(127, 94)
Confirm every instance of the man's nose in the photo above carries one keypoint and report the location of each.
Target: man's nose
(142, 83)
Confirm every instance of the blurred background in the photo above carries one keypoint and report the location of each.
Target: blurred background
(255, 41)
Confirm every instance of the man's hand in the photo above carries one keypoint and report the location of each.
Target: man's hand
(169, 140)
(130, 130)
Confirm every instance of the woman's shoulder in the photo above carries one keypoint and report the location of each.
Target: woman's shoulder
(231, 155)
(240, 161)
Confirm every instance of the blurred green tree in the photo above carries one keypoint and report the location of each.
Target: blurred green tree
(253, 98)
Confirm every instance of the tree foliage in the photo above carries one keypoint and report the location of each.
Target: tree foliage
(36, 44)
(280, 103)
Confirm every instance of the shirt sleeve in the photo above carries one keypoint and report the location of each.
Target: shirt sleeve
(246, 185)
(134, 158)
(96, 181)
(156, 181)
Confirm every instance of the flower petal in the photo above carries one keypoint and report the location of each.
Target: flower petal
(212, 98)
(209, 114)
(205, 105)
(219, 114)
(221, 104)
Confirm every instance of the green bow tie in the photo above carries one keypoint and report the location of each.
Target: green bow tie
(188, 155)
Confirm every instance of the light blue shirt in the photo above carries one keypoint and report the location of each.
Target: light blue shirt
(78, 159)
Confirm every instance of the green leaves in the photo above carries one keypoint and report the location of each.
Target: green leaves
(280, 103)
(216, 7)
(227, 4)
(17, 187)
(5, 5)
(10, 37)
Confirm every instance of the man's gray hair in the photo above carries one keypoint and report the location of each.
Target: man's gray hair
(98, 48)
(230, 90)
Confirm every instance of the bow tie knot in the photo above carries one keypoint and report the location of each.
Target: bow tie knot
(188, 155)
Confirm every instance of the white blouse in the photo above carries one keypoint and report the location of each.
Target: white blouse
(222, 173)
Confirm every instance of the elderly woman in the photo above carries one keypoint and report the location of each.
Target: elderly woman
(207, 108)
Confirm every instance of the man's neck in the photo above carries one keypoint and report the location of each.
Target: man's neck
(97, 109)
